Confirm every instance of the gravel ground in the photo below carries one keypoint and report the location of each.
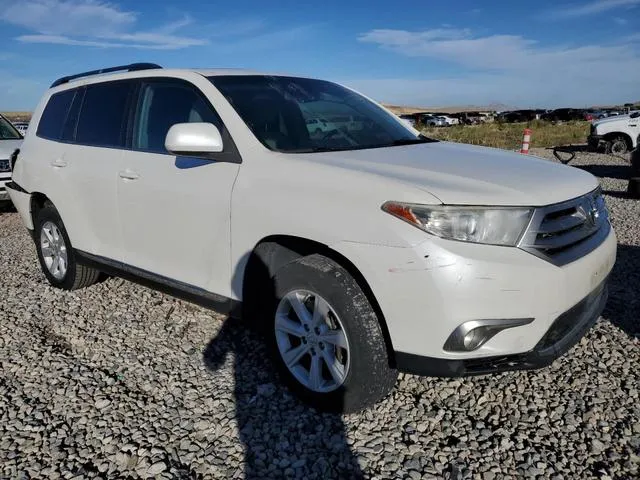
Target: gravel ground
(118, 381)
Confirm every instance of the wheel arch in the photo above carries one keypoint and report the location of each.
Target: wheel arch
(613, 135)
(273, 252)
(38, 201)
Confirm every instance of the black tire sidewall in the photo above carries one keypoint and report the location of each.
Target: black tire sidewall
(622, 142)
(49, 214)
(369, 369)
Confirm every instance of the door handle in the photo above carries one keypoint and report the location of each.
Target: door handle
(59, 163)
(128, 175)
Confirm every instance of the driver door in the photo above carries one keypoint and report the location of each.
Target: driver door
(175, 211)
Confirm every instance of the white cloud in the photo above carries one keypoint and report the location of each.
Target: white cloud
(620, 21)
(512, 69)
(594, 7)
(148, 41)
(91, 23)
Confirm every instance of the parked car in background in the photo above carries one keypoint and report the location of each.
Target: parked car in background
(357, 254)
(447, 117)
(21, 127)
(408, 119)
(431, 121)
(595, 115)
(450, 120)
(564, 115)
(618, 134)
(517, 116)
(10, 140)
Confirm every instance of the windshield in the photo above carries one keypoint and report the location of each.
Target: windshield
(8, 131)
(300, 115)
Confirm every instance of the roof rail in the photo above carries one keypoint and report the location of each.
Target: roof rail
(133, 67)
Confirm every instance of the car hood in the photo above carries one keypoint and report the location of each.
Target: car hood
(468, 175)
(616, 118)
(7, 147)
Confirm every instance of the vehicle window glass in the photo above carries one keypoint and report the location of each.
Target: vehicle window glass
(69, 130)
(8, 131)
(301, 115)
(52, 119)
(162, 105)
(102, 118)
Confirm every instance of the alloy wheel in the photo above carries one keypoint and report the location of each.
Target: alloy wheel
(312, 341)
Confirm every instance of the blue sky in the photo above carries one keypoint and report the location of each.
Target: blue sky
(546, 53)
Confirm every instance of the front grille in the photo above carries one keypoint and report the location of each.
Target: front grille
(564, 232)
(4, 166)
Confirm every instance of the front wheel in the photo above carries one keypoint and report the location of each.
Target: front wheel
(326, 337)
(618, 146)
(56, 256)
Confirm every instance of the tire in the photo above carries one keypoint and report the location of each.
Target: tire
(364, 364)
(48, 224)
(618, 146)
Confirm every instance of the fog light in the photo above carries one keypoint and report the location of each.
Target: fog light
(475, 338)
(473, 334)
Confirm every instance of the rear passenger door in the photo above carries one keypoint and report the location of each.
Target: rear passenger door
(87, 166)
(175, 211)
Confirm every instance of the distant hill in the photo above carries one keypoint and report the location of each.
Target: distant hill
(493, 107)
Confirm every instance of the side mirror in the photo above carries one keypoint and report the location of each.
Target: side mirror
(189, 139)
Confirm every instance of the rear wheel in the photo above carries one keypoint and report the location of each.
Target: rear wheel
(56, 255)
(326, 337)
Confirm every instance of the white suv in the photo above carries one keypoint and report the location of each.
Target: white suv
(358, 253)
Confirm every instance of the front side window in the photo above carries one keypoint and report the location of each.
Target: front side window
(300, 115)
(103, 116)
(8, 131)
(164, 104)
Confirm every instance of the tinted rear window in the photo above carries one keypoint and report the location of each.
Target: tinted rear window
(103, 116)
(54, 115)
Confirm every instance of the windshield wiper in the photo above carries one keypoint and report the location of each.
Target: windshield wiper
(411, 141)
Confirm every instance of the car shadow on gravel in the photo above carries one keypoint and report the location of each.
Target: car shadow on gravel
(6, 207)
(620, 172)
(282, 437)
(623, 306)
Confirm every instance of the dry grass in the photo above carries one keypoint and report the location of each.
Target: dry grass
(17, 116)
(509, 135)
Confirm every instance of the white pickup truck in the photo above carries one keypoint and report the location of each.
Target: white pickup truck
(617, 134)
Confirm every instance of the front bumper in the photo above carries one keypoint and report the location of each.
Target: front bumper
(565, 332)
(427, 291)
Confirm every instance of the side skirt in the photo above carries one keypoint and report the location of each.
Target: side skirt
(184, 291)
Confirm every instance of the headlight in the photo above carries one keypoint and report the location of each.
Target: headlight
(489, 225)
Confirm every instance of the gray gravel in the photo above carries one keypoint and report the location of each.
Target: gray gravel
(120, 381)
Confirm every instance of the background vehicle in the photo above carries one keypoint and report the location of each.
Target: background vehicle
(358, 254)
(10, 140)
(408, 120)
(431, 121)
(618, 134)
(564, 115)
(595, 115)
(449, 120)
(517, 116)
(21, 127)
